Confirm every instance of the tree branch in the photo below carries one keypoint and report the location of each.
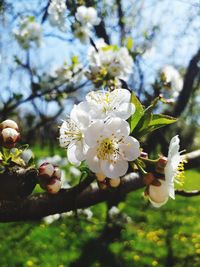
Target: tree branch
(193, 71)
(40, 205)
(188, 193)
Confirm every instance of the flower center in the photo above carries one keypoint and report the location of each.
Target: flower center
(108, 149)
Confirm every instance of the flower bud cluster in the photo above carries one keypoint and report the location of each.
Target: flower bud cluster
(108, 64)
(49, 177)
(9, 133)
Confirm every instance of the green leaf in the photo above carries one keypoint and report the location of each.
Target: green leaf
(139, 111)
(157, 121)
(129, 43)
(74, 60)
(160, 120)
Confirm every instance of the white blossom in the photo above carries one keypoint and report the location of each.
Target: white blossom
(29, 31)
(110, 147)
(81, 32)
(51, 218)
(113, 212)
(104, 104)
(87, 16)
(56, 11)
(86, 212)
(173, 79)
(112, 60)
(72, 134)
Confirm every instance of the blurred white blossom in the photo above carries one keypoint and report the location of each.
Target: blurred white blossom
(87, 16)
(109, 62)
(173, 80)
(57, 12)
(29, 31)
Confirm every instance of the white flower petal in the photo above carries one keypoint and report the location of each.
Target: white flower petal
(117, 126)
(92, 134)
(71, 154)
(80, 116)
(113, 170)
(130, 148)
(92, 160)
(125, 110)
(121, 94)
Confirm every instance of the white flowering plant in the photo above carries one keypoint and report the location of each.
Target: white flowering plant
(106, 131)
(104, 134)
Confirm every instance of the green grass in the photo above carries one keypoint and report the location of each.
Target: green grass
(169, 236)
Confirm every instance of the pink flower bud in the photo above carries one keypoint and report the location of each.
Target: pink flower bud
(54, 186)
(144, 155)
(57, 173)
(46, 169)
(114, 182)
(9, 137)
(9, 124)
(158, 195)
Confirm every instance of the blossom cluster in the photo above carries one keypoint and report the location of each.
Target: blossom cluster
(97, 132)
(68, 72)
(56, 12)
(29, 31)
(108, 63)
(172, 81)
(86, 18)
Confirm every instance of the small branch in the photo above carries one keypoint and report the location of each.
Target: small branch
(101, 32)
(121, 20)
(193, 159)
(188, 193)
